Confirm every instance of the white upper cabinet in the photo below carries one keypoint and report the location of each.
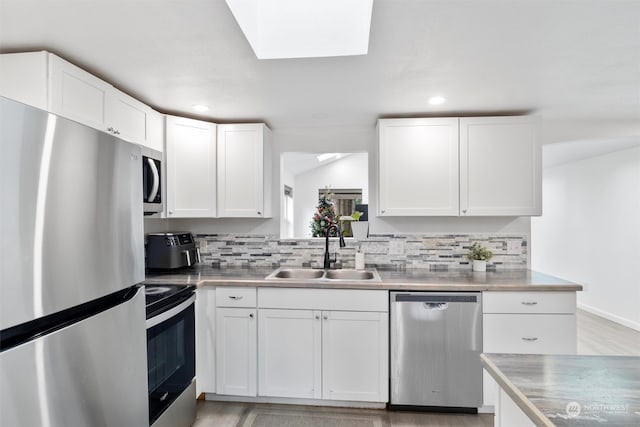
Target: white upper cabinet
(476, 166)
(500, 166)
(191, 168)
(77, 95)
(155, 131)
(127, 117)
(48, 82)
(418, 173)
(244, 170)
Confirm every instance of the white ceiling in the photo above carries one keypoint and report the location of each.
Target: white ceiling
(567, 61)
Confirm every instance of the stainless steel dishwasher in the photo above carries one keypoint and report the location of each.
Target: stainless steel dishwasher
(436, 341)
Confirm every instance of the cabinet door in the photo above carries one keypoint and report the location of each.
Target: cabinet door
(76, 94)
(500, 166)
(241, 170)
(191, 168)
(127, 117)
(236, 351)
(525, 333)
(205, 340)
(289, 353)
(355, 356)
(418, 167)
(155, 131)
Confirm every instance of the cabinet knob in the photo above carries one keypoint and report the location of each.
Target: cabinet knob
(325, 317)
(170, 212)
(317, 317)
(117, 132)
(259, 213)
(110, 129)
(383, 211)
(464, 211)
(251, 315)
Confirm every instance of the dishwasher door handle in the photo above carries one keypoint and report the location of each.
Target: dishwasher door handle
(441, 306)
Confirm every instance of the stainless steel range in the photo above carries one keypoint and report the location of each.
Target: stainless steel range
(171, 354)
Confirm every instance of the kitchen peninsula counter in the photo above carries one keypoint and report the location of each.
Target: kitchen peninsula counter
(409, 280)
(567, 390)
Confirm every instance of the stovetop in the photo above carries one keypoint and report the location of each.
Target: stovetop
(161, 297)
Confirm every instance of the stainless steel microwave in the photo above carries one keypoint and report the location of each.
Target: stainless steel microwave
(152, 181)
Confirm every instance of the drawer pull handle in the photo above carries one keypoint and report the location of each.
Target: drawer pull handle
(235, 297)
(251, 315)
(529, 303)
(530, 339)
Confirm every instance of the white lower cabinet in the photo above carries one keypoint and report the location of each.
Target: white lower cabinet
(508, 414)
(526, 322)
(205, 340)
(236, 351)
(319, 353)
(289, 356)
(355, 356)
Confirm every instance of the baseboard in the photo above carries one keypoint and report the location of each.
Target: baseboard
(617, 319)
(292, 401)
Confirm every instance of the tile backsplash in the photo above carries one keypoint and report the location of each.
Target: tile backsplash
(385, 251)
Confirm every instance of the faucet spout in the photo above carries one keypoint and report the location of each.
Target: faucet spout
(327, 257)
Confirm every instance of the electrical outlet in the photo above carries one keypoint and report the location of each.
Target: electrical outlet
(396, 247)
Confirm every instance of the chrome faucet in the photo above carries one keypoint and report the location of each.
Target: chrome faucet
(327, 259)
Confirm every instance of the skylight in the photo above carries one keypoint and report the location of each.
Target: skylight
(304, 28)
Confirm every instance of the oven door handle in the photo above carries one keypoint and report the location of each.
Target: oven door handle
(170, 313)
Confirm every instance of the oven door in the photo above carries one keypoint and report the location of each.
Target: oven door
(170, 355)
(151, 185)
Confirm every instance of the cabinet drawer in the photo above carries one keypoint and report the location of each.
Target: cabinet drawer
(231, 296)
(324, 299)
(529, 302)
(529, 333)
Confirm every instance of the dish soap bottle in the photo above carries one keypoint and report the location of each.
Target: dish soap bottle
(359, 259)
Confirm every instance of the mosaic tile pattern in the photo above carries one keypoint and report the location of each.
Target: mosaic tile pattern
(384, 251)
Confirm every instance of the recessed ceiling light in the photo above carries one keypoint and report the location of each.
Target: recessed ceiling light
(436, 100)
(200, 108)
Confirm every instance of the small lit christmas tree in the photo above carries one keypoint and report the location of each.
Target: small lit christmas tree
(324, 217)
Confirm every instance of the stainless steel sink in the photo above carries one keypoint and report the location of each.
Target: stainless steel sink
(296, 273)
(314, 275)
(349, 275)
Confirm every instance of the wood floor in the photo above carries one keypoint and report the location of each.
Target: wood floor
(595, 336)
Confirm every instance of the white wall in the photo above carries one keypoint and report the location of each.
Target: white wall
(590, 232)
(348, 172)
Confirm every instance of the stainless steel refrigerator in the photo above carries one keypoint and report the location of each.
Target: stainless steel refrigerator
(72, 320)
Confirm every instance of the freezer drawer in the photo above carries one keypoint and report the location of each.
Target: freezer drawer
(91, 373)
(436, 341)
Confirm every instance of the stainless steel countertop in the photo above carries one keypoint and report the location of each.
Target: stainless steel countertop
(415, 280)
(606, 388)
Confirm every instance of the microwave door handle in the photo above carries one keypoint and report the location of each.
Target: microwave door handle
(156, 180)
